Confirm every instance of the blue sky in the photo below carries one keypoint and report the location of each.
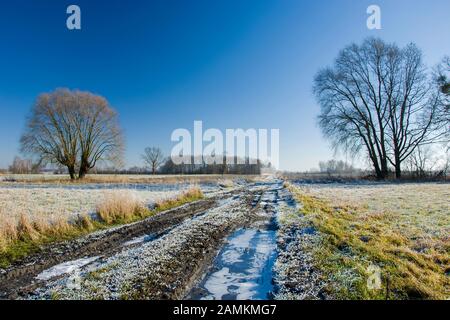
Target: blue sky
(230, 63)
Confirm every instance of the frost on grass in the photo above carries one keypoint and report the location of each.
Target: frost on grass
(50, 201)
(32, 217)
(400, 228)
(420, 209)
(296, 276)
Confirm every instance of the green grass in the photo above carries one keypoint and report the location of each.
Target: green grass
(354, 238)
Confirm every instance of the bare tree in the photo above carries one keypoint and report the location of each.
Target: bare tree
(99, 134)
(23, 166)
(74, 129)
(377, 97)
(421, 161)
(154, 157)
(335, 167)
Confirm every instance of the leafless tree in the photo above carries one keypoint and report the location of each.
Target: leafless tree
(421, 161)
(336, 167)
(99, 134)
(23, 166)
(154, 157)
(74, 129)
(377, 97)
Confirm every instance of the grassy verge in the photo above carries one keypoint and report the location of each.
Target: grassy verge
(19, 238)
(357, 241)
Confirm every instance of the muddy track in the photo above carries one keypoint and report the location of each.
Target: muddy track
(164, 268)
(19, 279)
(242, 269)
(205, 255)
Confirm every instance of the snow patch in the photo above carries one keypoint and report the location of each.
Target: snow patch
(65, 268)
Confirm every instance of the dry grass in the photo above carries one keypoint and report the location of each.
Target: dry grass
(46, 201)
(22, 233)
(403, 229)
(192, 194)
(123, 207)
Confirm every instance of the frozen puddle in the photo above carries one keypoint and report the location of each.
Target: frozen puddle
(64, 268)
(139, 240)
(243, 268)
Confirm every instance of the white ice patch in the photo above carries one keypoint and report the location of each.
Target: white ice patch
(64, 268)
(224, 282)
(224, 202)
(135, 241)
(237, 246)
(218, 283)
(242, 240)
(244, 264)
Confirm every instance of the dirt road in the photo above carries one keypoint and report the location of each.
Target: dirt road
(224, 247)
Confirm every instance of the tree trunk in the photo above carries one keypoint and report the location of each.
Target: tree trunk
(378, 172)
(153, 169)
(82, 173)
(84, 168)
(398, 169)
(384, 168)
(71, 172)
(380, 175)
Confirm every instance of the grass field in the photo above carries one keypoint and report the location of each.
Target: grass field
(402, 229)
(63, 201)
(33, 216)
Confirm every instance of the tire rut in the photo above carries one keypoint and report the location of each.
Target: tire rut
(19, 279)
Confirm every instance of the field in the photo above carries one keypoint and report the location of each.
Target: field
(39, 209)
(397, 231)
(48, 201)
(147, 237)
(40, 196)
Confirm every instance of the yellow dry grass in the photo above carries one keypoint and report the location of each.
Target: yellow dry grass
(22, 233)
(117, 208)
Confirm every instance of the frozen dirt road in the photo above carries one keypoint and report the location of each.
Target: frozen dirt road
(223, 247)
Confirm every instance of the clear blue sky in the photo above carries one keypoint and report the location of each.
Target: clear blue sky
(163, 64)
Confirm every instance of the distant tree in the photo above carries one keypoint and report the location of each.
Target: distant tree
(420, 160)
(378, 97)
(20, 166)
(74, 129)
(336, 166)
(154, 157)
